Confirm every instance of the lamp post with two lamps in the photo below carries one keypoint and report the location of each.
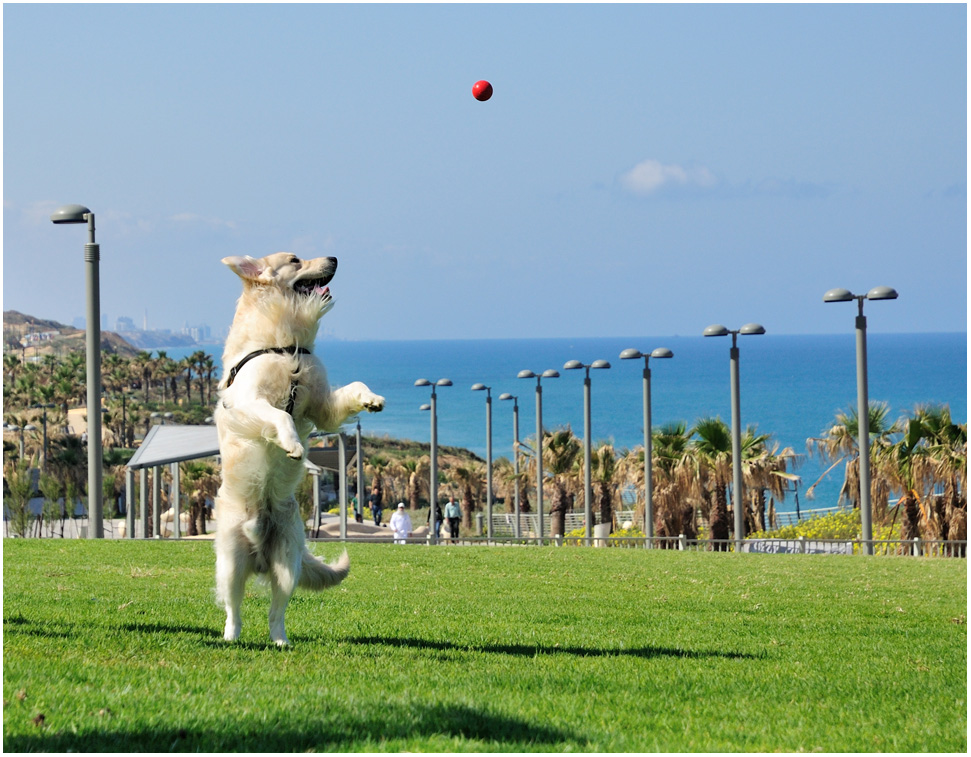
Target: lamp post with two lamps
(515, 458)
(548, 373)
(738, 498)
(488, 391)
(20, 430)
(862, 399)
(433, 457)
(573, 365)
(92, 255)
(632, 354)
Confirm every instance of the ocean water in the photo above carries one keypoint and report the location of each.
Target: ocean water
(791, 387)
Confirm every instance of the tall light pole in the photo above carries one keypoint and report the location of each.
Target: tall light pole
(488, 391)
(433, 474)
(43, 459)
(862, 399)
(515, 457)
(632, 354)
(738, 494)
(548, 373)
(360, 470)
(92, 254)
(573, 365)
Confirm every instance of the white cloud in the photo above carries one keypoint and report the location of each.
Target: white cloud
(37, 213)
(215, 223)
(649, 176)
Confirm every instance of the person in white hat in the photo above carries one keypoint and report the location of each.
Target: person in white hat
(401, 524)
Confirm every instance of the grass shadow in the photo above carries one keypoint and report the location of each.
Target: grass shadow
(156, 628)
(532, 650)
(18, 625)
(338, 730)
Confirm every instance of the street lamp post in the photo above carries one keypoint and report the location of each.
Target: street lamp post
(548, 373)
(43, 460)
(587, 488)
(719, 330)
(488, 391)
(360, 470)
(862, 399)
(632, 354)
(433, 464)
(92, 254)
(515, 457)
(20, 430)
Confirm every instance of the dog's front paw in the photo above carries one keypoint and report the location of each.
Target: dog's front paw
(373, 404)
(290, 443)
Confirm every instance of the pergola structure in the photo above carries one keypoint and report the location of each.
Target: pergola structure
(170, 445)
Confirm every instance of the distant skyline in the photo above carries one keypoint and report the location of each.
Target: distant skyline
(640, 170)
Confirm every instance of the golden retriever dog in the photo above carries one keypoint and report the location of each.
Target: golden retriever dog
(273, 394)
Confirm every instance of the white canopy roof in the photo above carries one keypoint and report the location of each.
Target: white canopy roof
(173, 444)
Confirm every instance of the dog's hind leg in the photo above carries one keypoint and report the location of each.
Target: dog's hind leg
(284, 575)
(233, 566)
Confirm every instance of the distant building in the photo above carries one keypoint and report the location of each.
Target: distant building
(200, 333)
(125, 323)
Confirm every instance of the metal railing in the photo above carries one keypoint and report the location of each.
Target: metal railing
(931, 548)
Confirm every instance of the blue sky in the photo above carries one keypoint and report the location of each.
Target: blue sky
(640, 169)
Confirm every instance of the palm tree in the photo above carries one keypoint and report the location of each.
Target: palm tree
(418, 470)
(467, 480)
(11, 366)
(208, 367)
(906, 467)
(603, 478)
(505, 473)
(765, 470)
(116, 378)
(202, 364)
(375, 468)
(560, 451)
(949, 454)
(839, 444)
(187, 365)
(142, 367)
(713, 454)
(931, 453)
(200, 479)
(69, 463)
(675, 476)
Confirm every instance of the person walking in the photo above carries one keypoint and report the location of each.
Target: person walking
(401, 524)
(375, 502)
(438, 519)
(358, 512)
(454, 514)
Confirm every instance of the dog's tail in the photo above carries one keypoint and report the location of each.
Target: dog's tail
(317, 575)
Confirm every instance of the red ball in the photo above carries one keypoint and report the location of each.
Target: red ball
(482, 90)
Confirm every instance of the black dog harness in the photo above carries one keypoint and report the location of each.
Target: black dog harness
(294, 351)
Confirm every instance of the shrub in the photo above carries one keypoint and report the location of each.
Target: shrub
(840, 525)
(575, 538)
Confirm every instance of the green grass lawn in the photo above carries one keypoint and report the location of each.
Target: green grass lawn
(115, 646)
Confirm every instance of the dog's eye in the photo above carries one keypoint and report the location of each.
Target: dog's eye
(294, 260)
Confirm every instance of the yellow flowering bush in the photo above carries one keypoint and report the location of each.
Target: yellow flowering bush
(844, 524)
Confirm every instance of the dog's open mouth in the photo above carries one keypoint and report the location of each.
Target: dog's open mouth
(316, 287)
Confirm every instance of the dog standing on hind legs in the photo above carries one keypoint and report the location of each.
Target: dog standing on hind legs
(273, 395)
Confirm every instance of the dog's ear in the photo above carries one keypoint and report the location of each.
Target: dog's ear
(244, 266)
